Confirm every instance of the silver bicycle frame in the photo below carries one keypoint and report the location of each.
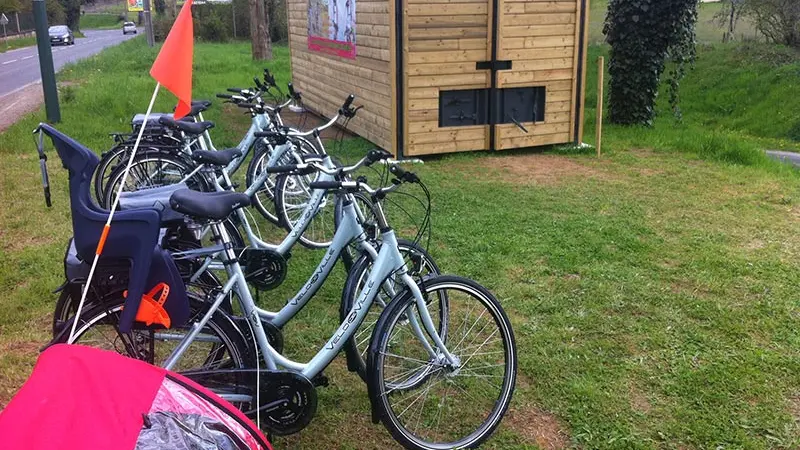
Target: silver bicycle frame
(387, 262)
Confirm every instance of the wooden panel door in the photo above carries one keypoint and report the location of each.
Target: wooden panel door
(443, 40)
(541, 39)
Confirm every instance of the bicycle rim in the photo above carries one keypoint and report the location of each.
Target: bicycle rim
(427, 403)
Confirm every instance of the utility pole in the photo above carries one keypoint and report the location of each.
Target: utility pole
(46, 62)
(148, 24)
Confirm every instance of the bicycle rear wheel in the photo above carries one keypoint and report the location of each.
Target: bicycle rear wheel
(264, 198)
(424, 400)
(153, 169)
(293, 194)
(220, 346)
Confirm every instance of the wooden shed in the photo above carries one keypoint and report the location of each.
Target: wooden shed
(439, 76)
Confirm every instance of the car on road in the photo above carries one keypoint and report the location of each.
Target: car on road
(128, 27)
(61, 35)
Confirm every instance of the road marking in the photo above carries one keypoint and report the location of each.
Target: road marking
(27, 57)
(9, 62)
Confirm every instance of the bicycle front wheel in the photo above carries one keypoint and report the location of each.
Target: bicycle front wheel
(427, 401)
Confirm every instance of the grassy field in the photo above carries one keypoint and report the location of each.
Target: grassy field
(12, 44)
(709, 30)
(653, 291)
(102, 21)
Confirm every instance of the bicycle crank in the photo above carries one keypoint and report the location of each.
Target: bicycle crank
(288, 402)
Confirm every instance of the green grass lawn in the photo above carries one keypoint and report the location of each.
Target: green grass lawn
(654, 291)
(12, 44)
(100, 21)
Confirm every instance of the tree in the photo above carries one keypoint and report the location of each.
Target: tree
(643, 34)
(728, 17)
(10, 6)
(259, 30)
(777, 20)
(72, 13)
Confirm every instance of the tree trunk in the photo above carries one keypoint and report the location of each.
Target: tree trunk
(259, 30)
(173, 8)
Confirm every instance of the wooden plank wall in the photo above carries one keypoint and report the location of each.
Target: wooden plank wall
(542, 40)
(326, 80)
(443, 39)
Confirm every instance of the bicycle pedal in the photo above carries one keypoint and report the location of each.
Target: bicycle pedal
(320, 380)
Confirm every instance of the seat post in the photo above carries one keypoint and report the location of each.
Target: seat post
(221, 234)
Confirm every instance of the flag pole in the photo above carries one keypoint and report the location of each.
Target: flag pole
(114, 205)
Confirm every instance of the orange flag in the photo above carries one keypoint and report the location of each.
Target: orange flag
(173, 66)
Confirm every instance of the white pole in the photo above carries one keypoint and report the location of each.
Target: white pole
(111, 213)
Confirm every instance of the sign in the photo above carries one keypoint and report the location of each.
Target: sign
(332, 27)
(3, 20)
(138, 5)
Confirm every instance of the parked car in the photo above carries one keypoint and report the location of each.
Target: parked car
(61, 35)
(128, 27)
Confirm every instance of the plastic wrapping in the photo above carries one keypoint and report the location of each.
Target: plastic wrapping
(173, 431)
(196, 418)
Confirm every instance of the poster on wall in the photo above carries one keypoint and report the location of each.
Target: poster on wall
(138, 5)
(135, 5)
(332, 27)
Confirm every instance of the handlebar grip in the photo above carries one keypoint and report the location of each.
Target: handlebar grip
(263, 134)
(235, 90)
(268, 77)
(376, 155)
(227, 96)
(282, 169)
(294, 94)
(397, 171)
(325, 185)
(259, 85)
(348, 102)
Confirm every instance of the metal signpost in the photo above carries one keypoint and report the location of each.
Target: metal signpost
(46, 62)
(4, 22)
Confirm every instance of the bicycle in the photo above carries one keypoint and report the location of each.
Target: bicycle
(288, 397)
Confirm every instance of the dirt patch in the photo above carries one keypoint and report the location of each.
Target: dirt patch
(538, 427)
(536, 169)
(19, 103)
(794, 408)
(639, 401)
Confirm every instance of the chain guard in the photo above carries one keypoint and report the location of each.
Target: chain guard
(265, 269)
(293, 398)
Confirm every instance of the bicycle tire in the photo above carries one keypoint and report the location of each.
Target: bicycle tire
(219, 325)
(437, 369)
(264, 199)
(317, 235)
(111, 159)
(180, 167)
(354, 348)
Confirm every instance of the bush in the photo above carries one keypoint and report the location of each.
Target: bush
(211, 28)
(777, 20)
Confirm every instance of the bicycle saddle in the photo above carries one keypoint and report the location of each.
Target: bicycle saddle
(207, 205)
(186, 127)
(216, 158)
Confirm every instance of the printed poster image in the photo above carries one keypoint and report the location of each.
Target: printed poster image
(332, 27)
(135, 5)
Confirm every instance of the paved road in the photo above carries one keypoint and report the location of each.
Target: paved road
(19, 68)
(787, 157)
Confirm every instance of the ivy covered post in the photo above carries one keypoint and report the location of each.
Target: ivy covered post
(643, 34)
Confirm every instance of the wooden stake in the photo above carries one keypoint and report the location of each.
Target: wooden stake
(601, 67)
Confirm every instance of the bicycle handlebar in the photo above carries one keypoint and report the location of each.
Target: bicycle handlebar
(226, 96)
